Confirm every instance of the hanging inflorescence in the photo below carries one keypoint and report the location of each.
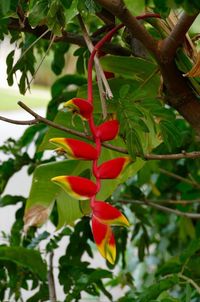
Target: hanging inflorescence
(104, 215)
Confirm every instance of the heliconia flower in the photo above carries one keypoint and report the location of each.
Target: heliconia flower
(81, 106)
(112, 168)
(104, 239)
(107, 214)
(76, 149)
(108, 130)
(78, 187)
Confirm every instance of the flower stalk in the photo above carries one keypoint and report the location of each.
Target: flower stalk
(104, 216)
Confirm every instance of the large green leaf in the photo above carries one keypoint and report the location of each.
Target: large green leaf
(143, 71)
(44, 192)
(68, 209)
(64, 119)
(156, 289)
(27, 258)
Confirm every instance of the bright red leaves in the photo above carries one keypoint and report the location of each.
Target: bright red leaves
(78, 187)
(108, 130)
(76, 149)
(111, 169)
(103, 217)
(81, 107)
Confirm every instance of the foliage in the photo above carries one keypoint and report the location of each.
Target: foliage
(158, 256)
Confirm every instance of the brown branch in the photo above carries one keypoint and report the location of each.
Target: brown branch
(176, 37)
(50, 123)
(39, 118)
(119, 9)
(17, 122)
(178, 177)
(162, 208)
(68, 37)
(51, 282)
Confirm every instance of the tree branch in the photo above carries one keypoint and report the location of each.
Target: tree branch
(38, 118)
(68, 37)
(189, 280)
(51, 282)
(176, 37)
(162, 208)
(119, 9)
(17, 122)
(178, 177)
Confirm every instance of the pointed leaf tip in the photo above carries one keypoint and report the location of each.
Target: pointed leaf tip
(104, 239)
(80, 106)
(108, 130)
(76, 149)
(107, 214)
(78, 187)
(112, 169)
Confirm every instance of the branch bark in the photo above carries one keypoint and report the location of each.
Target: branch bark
(66, 37)
(40, 119)
(179, 94)
(176, 37)
(162, 208)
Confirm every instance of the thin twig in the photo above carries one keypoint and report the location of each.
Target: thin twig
(39, 118)
(178, 177)
(16, 122)
(162, 208)
(38, 67)
(51, 282)
(194, 284)
(171, 201)
(50, 123)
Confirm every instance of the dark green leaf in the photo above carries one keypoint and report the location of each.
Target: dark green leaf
(29, 259)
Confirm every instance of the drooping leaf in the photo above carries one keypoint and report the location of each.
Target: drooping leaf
(29, 259)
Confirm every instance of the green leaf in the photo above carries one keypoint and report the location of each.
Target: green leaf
(64, 119)
(58, 62)
(134, 145)
(44, 192)
(153, 291)
(133, 67)
(38, 12)
(136, 7)
(193, 246)
(29, 259)
(9, 62)
(4, 6)
(11, 200)
(68, 209)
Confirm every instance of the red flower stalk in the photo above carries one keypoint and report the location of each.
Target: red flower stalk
(103, 214)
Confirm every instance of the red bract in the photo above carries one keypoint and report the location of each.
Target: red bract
(76, 149)
(81, 107)
(112, 168)
(104, 239)
(108, 214)
(78, 187)
(108, 130)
